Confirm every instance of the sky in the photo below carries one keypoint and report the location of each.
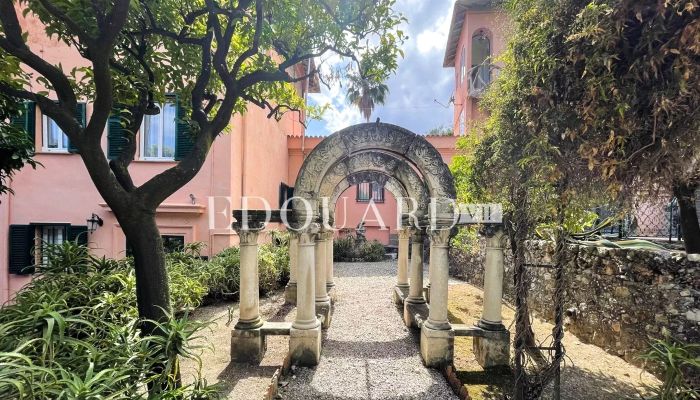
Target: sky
(419, 80)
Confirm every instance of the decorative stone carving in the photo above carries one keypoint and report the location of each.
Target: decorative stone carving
(365, 146)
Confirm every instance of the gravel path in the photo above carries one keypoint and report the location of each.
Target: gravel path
(368, 353)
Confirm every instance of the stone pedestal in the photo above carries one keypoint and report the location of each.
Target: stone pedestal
(414, 314)
(247, 345)
(290, 291)
(305, 334)
(305, 346)
(494, 351)
(436, 347)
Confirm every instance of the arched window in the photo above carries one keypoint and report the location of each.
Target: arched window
(480, 75)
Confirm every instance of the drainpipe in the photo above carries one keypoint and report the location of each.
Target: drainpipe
(306, 96)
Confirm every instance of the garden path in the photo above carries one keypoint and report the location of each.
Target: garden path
(368, 353)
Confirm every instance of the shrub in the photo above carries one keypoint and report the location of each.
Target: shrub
(349, 248)
(679, 364)
(74, 333)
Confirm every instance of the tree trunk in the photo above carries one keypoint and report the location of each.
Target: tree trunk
(685, 193)
(152, 289)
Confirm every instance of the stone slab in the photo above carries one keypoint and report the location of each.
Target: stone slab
(414, 314)
(276, 328)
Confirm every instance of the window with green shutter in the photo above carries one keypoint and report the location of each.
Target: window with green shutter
(117, 135)
(26, 120)
(184, 142)
(21, 249)
(54, 139)
(80, 117)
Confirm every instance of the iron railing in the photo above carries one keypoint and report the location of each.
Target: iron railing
(480, 77)
(648, 220)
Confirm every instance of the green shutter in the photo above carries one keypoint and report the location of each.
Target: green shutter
(184, 141)
(117, 137)
(80, 117)
(26, 120)
(78, 234)
(21, 257)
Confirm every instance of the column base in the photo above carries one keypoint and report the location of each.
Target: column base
(493, 351)
(323, 310)
(437, 347)
(249, 324)
(329, 286)
(305, 346)
(247, 346)
(414, 314)
(491, 326)
(290, 293)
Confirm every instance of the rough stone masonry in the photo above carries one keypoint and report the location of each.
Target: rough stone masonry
(617, 299)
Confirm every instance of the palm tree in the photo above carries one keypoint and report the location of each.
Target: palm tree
(366, 93)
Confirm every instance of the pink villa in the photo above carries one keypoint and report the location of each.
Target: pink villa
(258, 159)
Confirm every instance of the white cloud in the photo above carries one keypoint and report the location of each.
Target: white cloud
(434, 37)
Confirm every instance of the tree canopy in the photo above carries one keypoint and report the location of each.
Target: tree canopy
(217, 57)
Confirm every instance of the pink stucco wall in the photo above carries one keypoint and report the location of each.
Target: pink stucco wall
(495, 23)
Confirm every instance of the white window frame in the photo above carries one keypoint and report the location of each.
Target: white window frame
(43, 233)
(45, 121)
(142, 135)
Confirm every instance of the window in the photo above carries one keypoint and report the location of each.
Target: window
(480, 73)
(54, 139)
(367, 191)
(173, 243)
(47, 235)
(158, 134)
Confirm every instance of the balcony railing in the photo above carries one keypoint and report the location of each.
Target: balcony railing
(480, 77)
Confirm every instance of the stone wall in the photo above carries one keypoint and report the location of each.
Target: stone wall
(615, 298)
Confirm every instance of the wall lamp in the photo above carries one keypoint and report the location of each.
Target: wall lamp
(93, 222)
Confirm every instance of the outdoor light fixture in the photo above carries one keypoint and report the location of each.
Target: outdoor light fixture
(151, 108)
(93, 222)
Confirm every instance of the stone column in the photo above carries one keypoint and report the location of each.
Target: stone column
(247, 342)
(493, 350)
(426, 290)
(415, 291)
(290, 291)
(491, 318)
(402, 274)
(329, 261)
(305, 334)
(323, 301)
(414, 307)
(437, 337)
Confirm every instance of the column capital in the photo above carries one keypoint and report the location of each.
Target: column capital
(491, 230)
(417, 234)
(248, 234)
(307, 236)
(440, 237)
(404, 233)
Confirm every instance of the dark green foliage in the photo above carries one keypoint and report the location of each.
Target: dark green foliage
(350, 248)
(679, 364)
(74, 331)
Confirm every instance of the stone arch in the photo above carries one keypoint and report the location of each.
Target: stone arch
(343, 153)
(375, 166)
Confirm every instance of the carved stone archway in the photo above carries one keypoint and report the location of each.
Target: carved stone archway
(374, 139)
